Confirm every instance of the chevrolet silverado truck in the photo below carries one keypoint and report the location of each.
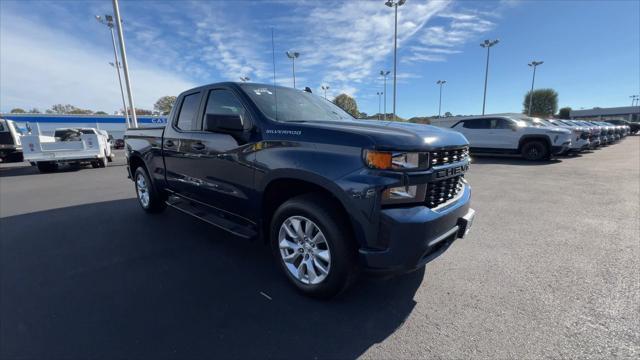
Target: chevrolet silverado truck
(331, 195)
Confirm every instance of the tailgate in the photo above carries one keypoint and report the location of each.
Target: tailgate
(45, 148)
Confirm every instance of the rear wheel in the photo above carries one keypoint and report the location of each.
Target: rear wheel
(312, 246)
(148, 197)
(535, 151)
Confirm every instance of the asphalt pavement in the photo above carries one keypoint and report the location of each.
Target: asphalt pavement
(551, 268)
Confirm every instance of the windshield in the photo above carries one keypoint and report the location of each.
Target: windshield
(529, 121)
(293, 105)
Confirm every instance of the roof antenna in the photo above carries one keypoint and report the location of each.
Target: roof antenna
(275, 91)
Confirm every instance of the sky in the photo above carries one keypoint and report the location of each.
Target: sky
(56, 52)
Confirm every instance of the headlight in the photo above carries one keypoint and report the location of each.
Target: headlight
(386, 160)
(404, 194)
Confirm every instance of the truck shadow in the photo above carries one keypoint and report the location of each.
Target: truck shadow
(22, 169)
(105, 280)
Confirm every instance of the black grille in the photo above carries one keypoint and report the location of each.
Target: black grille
(448, 156)
(439, 192)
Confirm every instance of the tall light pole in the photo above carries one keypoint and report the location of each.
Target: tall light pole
(534, 64)
(108, 21)
(487, 44)
(395, 4)
(384, 74)
(379, 93)
(244, 78)
(125, 66)
(325, 88)
(293, 56)
(440, 82)
(635, 100)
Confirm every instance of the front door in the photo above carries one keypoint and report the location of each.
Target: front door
(220, 164)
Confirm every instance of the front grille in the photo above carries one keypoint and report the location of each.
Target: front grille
(448, 156)
(439, 192)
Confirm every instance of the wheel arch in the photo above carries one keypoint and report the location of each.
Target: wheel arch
(527, 138)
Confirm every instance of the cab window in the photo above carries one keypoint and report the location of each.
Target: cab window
(224, 102)
(187, 116)
(476, 124)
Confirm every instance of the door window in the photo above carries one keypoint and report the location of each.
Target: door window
(500, 124)
(477, 124)
(224, 102)
(188, 110)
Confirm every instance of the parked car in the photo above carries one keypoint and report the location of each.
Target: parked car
(633, 127)
(594, 132)
(332, 195)
(580, 135)
(10, 141)
(75, 146)
(528, 137)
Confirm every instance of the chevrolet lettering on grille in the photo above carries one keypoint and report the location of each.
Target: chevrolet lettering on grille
(452, 171)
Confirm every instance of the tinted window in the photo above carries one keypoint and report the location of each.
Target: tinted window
(499, 124)
(223, 102)
(188, 111)
(476, 124)
(2, 127)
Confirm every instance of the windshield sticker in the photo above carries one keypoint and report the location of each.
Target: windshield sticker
(261, 91)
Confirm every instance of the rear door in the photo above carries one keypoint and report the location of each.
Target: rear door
(476, 131)
(178, 141)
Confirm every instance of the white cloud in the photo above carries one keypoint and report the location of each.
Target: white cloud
(41, 66)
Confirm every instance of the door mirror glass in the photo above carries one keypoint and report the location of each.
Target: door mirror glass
(223, 123)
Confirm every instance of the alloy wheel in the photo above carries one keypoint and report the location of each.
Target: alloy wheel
(304, 250)
(143, 190)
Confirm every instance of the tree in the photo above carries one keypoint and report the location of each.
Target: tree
(18, 111)
(564, 113)
(34, 111)
(545, 102)
(448, 114)
(78, 111)
(363, 115)
(347, 103)
(101, 113)
(164, 104)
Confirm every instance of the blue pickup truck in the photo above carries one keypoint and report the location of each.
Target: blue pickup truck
(332, 195)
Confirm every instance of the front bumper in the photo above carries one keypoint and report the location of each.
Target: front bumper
(416, 235)
(561, 149)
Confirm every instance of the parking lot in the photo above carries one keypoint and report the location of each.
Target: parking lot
(550, 269)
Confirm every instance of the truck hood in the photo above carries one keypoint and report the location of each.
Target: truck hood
(396, 135)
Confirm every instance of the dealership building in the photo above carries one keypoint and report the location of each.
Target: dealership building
(629, 113)
(45, 124)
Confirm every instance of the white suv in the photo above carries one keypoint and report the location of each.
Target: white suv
(532, 138)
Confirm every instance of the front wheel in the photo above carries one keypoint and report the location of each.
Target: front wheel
(535, 151)
(313, 246)
(148, 197)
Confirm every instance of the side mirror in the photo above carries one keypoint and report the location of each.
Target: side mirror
(223, 123)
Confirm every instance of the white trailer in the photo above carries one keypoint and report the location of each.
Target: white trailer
(69, 146)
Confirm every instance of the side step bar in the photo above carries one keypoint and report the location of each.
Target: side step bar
(210, 216)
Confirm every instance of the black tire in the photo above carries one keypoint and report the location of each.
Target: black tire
(535, 150)
(102, 162)
(95, 165)
(155, 202)
(46, 167)
(342, 270)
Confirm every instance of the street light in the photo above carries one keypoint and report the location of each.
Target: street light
(379, 93)
(293, 56)
(440, 82)
(244, 78)
(125, 66)
(395, 4)
(108, 21)
(325, 88)
(384, 74)
(534, 64)
(487, 44)
(635, 100)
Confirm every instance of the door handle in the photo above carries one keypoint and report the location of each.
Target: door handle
(169, 143)
(198, 146)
